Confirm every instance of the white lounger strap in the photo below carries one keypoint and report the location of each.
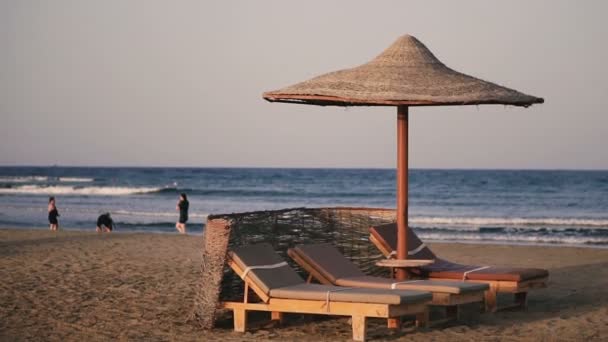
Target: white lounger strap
(465, 274)
(262, 267)
(417, 249)
(338, 289)
(394, 285)
(412, 252)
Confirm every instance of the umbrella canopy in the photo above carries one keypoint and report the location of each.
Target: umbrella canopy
(407, 73)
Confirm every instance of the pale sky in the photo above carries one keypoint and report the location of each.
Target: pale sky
(179, 83)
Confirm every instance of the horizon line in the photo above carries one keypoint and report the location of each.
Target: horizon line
(303, 167)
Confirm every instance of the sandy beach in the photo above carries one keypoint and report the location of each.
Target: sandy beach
(126, 286)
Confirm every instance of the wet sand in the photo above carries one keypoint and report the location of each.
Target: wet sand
(68, 286)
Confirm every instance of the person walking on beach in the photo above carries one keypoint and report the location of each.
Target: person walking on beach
(104, 223)
(53, 214)
(182, 207)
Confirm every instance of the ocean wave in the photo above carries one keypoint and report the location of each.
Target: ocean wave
(476, 222)
(40, 179)
(168, 224)
(76, 179)
(74, 190)
(159, 226)
(270, 193)
(513, 239)
(23, 179)
(154, 214)
(510, 231)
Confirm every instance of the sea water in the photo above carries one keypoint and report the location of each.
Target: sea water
(498, 206)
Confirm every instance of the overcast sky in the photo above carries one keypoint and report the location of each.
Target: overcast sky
(179, 83)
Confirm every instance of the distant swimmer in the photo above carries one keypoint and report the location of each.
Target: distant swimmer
(105, 223)
(53, 214)
(182, 207)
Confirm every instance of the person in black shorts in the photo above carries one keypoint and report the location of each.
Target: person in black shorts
(53, 214)
(182, 207)
(104, 223)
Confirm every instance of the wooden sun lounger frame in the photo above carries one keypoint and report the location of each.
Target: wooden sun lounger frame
(358, 311)
(519, 289)
(448, 300)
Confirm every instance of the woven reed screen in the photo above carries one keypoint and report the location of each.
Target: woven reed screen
(345, 228)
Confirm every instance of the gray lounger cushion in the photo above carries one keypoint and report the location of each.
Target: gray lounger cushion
(387, 235)
(438, 286)
(353, 295)
(328, 261)
(266, 279)
(284, 282)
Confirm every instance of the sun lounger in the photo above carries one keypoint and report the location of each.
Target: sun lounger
(328, 266)
(281, 290)
(500, 279)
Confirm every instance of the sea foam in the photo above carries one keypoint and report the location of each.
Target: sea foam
(23, 179)
(475, 222)
(72, 190)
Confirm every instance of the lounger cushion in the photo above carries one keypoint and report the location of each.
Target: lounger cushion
(448, 270)
(356, 295)
(265, 279)
(284, 282)
(331, 264)
(437, 286)
(387, 235)
(328, 261)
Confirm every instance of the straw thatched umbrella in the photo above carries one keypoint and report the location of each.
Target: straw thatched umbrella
(406, 74)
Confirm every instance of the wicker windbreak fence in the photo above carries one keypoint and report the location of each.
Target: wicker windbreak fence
(345, 228)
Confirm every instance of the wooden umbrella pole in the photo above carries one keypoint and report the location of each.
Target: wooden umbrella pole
(402, 187)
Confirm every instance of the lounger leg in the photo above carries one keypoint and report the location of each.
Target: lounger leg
(359, 327)
(394, 323)
(240, 320)
(490, 299)
(276, 316)
(422, 318)
(521, 299)
(452, 312)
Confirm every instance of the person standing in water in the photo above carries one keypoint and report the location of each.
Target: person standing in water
(105, 223)
(53, 214)
(182, 207)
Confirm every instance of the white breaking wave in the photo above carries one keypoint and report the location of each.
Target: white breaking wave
(71, 190)
(27, 179)
(23, 179)
(75, 179)
(154, 214)
(559, 239)
(476, 222)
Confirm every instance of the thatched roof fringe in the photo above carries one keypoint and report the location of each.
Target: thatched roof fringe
(407, 73)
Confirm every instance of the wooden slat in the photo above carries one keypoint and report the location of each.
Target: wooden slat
(239, 271)
(447, 289)
(394, 323)
(335, 308)
(359, 324)
(385, 250)
(444, 299)
(507, 286)
(410, 309)
(240, 320)
(490, 298)
(276, 316)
